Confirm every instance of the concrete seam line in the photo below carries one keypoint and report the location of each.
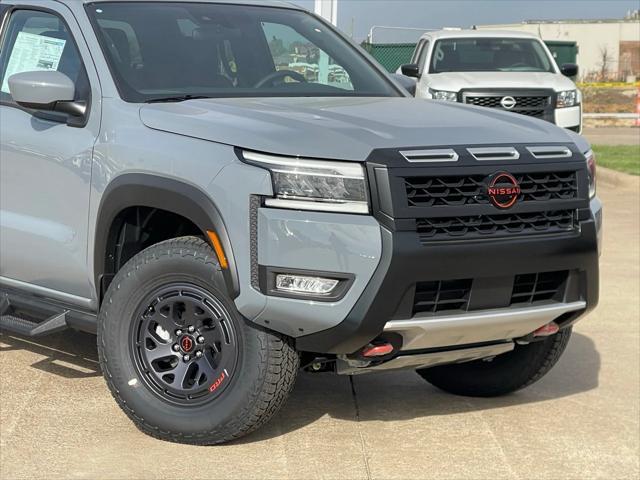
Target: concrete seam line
(362, 444)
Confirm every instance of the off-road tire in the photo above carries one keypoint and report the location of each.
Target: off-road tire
(266, 363)
(506, 373)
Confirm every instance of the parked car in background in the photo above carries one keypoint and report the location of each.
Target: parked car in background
(512, 71)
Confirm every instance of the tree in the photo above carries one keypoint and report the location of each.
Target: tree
(606, 59)
(276, 45)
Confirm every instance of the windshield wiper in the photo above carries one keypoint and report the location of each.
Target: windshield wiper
(178, 98)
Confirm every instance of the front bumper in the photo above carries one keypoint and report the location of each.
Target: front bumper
(385, 305)
(570, 117)
(420, 333)
(388, 257)
(489, 269)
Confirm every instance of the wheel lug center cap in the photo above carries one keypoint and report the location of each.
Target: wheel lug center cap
(187, 343)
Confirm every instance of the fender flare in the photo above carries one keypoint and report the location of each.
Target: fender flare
(175, 196)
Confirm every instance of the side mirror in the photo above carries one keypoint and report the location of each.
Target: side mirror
(411, 70)
(569, 69)
(46, 90)
(409, 84)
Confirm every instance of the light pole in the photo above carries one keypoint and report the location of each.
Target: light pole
(328, 9)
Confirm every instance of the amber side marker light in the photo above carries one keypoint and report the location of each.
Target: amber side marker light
(217, 247)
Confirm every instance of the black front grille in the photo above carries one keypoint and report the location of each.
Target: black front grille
(491, 102)
(530, 113)
(439, 296)
(532, 102)
(537, 287)
(495, 226)
(522, 102)
(456, 295)
(472, 189)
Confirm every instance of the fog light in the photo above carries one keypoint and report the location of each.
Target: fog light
(303, 284)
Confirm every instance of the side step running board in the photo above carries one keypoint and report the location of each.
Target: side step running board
(16, 320)
(25, 327)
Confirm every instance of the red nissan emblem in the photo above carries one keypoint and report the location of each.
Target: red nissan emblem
(186, 343)
(503, 190)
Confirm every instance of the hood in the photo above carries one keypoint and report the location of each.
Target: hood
(344, 129)
(456, 81)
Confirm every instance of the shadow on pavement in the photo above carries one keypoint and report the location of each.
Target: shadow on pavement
(404, 395)
(376, 397)
(69, 354)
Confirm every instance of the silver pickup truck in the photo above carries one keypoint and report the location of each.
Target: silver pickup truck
(227, 193)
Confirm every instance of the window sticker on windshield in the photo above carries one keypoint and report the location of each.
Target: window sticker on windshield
(33, 52)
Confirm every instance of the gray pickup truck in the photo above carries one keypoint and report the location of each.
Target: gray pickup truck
(227, 193)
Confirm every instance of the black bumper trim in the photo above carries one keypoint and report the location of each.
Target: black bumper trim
(405, 261)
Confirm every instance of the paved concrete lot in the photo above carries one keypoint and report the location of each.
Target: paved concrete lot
(581, 421)
(613, 135)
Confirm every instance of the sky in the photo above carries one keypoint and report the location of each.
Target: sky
(363, 14)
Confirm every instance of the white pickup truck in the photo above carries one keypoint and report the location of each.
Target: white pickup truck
(512, 71)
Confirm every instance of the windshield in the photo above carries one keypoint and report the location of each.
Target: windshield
(489, 55)
(172, 51)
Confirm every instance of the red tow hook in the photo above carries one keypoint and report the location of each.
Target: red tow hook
(547, 330)
(377, 350)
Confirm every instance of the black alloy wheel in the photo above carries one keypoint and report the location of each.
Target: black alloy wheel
(184, 344)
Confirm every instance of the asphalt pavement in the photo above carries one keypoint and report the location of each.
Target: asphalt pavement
(613, 135)
(582, 421)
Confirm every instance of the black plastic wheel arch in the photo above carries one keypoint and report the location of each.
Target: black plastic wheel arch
(175, 196)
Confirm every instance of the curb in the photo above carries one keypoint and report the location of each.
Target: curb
(617, 179)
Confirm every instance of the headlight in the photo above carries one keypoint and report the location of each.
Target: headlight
(443, 95)
(591, 165)
(568, 98)
(305, 184)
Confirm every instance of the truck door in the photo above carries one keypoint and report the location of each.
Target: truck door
(45, 161)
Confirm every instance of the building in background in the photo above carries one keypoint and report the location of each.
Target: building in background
(607, 50)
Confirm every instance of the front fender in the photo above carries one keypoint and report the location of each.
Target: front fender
(155, 191)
